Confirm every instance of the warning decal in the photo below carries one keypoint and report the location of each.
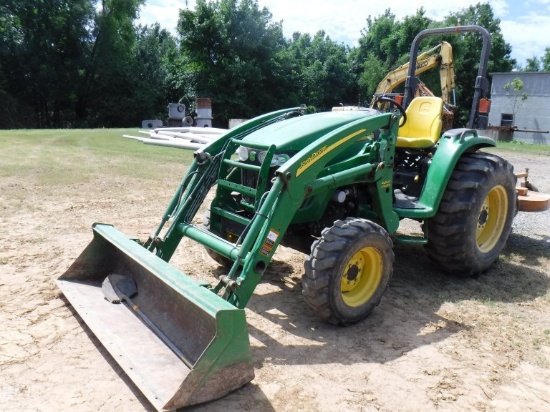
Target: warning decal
(269, 242)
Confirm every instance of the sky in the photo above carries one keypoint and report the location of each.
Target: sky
(525, 24)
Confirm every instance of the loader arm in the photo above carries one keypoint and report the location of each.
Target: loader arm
(273, 208)
(194, 185)
(301, 177)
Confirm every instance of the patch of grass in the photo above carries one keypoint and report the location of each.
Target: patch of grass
(541, 360)
(490, 303)
(522, 147)
(60, 157)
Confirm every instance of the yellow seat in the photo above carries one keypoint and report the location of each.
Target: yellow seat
(423, 127)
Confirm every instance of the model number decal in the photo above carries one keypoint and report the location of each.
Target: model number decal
(323, 151)
(306, 163)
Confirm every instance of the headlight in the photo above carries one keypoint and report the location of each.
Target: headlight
(242, 153)
(245, 154)
(261, 156)
(278, 160)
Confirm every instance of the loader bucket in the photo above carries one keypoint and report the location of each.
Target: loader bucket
(180, 343)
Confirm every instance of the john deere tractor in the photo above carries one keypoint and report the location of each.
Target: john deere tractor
(335, 185)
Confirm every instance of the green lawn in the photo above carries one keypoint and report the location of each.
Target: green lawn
(75, 155)
(520, 147)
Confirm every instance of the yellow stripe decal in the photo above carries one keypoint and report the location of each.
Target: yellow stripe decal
(323, 151)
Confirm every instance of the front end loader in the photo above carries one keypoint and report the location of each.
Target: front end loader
(334, 185)
(183, 342)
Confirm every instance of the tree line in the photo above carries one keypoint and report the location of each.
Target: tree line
(85, 63)
(537, 64)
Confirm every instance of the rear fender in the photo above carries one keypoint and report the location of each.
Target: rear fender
(452, 145)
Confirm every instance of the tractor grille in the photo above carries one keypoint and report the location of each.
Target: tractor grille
(249, 178)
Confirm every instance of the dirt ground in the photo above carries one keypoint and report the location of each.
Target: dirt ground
(436, 342)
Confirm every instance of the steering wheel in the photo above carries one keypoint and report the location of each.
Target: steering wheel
(392, 103)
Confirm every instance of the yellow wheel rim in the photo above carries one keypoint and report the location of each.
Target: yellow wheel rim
(492, 219)
(361, 277)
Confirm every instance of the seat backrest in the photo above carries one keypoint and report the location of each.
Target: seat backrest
(423, 126)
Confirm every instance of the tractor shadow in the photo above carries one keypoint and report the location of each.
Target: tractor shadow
(530, 250)
(275, 272)
(287, 332)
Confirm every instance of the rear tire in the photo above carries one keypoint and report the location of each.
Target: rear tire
(475, 216)
(348, 271)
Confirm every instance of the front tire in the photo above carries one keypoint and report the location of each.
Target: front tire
(475, 216)
(348, 271)
(216, 257)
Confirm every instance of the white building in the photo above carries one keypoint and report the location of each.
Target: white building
(532, 114)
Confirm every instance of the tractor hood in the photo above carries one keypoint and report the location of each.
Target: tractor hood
(294, 134)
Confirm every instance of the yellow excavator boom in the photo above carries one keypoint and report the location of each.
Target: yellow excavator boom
(439, 56)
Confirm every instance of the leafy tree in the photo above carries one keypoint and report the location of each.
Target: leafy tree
(518, 97)
(84, 63)
(546, 60)
(66, 62)
(373, 71)
(320, 70)
(536, 64)
(384, 45)
(105, 96)
(533, 65)
(229, 52)
(376, 54)
(41, 45)
(467, 50)
(152, 58)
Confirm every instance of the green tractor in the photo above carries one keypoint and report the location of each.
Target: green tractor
(335, 185)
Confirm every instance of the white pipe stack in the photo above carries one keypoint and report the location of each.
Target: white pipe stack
(190, 138)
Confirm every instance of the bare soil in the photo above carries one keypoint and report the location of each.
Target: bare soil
(436, 342)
